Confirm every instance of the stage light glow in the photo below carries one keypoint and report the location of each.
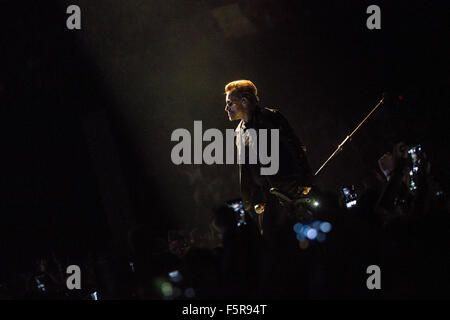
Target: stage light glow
(305, 230)
(300, 236)
(311, 234)
(297, 227)
(175, 276)
(166, 289)
(316, 224)
(325, 227)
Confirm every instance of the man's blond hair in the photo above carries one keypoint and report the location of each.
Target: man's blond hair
(241, 89)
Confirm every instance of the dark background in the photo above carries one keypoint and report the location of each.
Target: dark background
(87, 114)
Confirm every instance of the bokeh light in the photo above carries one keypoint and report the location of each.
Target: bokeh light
(325, 227)
(311, 234)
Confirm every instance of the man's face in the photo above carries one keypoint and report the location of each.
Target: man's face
(234, 107)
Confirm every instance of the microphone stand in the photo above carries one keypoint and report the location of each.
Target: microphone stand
(339, 148)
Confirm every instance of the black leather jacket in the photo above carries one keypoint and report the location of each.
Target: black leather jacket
(294, 170)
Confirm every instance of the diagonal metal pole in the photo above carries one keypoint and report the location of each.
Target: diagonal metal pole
(339, 148)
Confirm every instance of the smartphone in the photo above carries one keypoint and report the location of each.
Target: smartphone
(238, 208)
(350, 196)
(94, 295)
(415, 157)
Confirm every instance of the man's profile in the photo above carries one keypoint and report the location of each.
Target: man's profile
(294, 174)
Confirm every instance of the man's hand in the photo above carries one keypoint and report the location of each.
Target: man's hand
(390, 161)
(386, 164)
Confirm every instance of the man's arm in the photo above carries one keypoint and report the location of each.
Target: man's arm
(292, 150)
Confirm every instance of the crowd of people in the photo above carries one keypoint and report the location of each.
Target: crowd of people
(397, 220)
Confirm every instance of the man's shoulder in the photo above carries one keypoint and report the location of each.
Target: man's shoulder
(270, 113)
(272, 116)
